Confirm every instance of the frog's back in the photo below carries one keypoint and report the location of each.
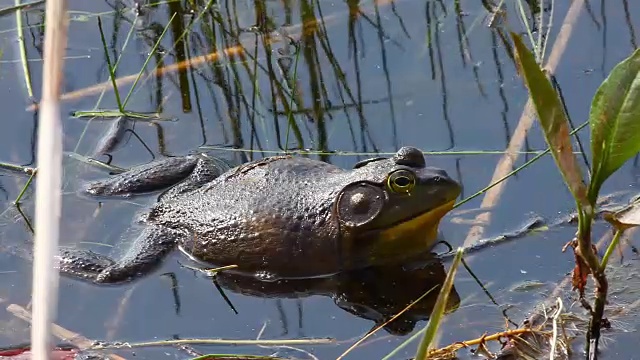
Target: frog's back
(276, 184)
(262, 212)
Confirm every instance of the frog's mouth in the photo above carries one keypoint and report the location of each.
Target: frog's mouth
(420, 228)
(415, 235)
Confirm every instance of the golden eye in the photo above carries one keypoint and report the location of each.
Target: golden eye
(401, 181)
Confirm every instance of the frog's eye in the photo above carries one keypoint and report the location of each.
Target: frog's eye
(401, 181)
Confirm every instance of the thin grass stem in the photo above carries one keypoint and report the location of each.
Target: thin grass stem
(516, 170)
(609, 251)
(316, 341)
(544, 48)
(25, 187)
(404, 344)
(23, 49)
(294, 88)
(149, 57)
(539, 45)
(16, 168)
(112, 75)
(372, 153)
(527, 26)
(370, 333)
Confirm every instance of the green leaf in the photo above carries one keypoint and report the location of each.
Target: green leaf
(615, 121)
(555, 124)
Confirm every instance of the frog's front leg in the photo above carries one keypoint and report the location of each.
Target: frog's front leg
(181, 174)
(143, 256)
(145, 178)
(207, 169)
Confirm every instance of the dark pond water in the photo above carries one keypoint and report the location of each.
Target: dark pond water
(371, 77)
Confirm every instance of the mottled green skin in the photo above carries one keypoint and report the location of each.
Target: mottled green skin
(276, 215)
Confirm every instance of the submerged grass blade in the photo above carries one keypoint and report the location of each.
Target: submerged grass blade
(439, 309)
(93, 162)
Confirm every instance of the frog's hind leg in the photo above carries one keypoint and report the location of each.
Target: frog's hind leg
(145, 255)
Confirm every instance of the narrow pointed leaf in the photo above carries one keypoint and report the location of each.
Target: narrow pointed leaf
(555, 124)
(615, 121)
(439, 308)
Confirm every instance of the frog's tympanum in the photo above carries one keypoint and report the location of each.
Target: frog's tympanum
(286, 216)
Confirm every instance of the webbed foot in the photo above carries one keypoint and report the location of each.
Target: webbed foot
(84, 264)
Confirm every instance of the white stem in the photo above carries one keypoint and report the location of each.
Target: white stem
(48, 185)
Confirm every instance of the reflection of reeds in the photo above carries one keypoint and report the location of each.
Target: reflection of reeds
(627, 19)
(229, 78)
(281, 70)
(432, 13)
(242, 60)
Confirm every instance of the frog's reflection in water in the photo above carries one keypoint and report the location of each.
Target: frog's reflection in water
(374, 293)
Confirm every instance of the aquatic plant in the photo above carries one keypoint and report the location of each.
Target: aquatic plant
(614, 121)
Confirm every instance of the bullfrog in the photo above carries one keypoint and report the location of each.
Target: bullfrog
(280, 216)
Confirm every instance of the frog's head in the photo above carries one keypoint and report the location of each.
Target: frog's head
(397, 198)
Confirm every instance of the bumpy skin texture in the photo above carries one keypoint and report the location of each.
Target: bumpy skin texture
(262, 216)
(276, 215)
